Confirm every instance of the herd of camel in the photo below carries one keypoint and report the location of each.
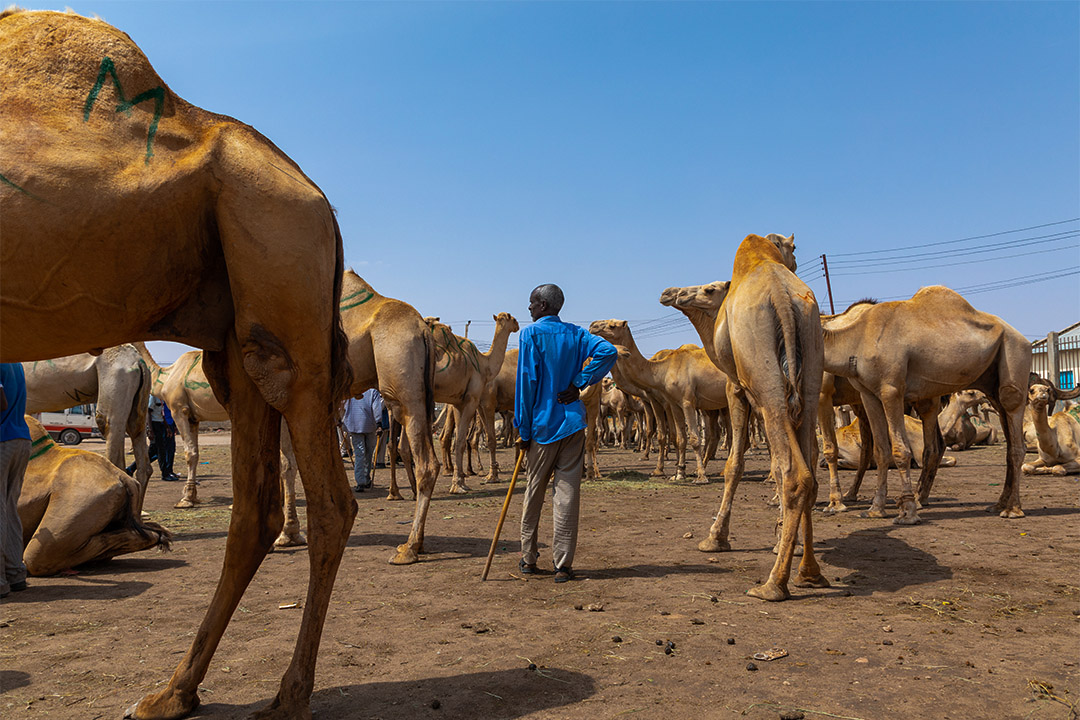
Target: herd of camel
(137, 216)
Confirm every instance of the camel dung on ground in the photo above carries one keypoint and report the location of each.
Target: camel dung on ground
(118, 381)
(142, 217)
(77, 507)
(1058, 435)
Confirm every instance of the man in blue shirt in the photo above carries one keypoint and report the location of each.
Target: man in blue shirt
(14, 454)
(551, 421)
(363, 417)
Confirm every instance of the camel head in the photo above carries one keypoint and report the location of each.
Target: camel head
(506, 319)
(615, 332)
(786, 246)
(608, 383)
(708, 298)
(1039, 397)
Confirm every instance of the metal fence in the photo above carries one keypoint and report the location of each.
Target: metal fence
(1058, 359)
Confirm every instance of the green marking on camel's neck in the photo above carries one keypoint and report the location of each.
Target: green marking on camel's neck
(157, 94)
(354, 299)
(194, 384)
(41, 446)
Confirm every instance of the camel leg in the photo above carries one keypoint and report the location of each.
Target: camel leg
(392, 457)
(446, 442)
(933, 448)
(426, 467)
(488, 425)
(461, 437)
(892, 400)
(827, 423)
(662, 427)
(739, 405)
(290, 533)
(136, 430)
(866, 451)
(256, 521)
(189, 431)
(879, 426)
(692, 438)
(1010, 403)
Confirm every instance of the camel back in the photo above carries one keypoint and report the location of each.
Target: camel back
(754, 251)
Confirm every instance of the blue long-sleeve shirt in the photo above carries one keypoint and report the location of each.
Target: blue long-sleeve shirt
(550, 356)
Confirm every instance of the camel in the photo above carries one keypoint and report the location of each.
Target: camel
(938, 344)
(77, 507)
(462, 376)
(135, 215)
(962, 432)
(686, 380)
(118, 381)
(766, 338)
(849, 445)
(184, 387)
(1059, 436)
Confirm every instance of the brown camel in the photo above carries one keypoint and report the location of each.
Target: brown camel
(138, 216)
(76, 507)
(684, 377)
(767, 340)
(1059, 436)
(184, 387)
(118, 381)
(938, 344)
(462, 375)
(849, 444)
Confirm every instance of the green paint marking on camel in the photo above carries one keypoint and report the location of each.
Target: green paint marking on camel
(194, 384)
(4, 179)
(156, 94)
(43, 444)
(364, 295)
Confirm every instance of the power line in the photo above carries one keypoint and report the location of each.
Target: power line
(1001, 284)
(954, 264)
(957, 252)
(953, 242)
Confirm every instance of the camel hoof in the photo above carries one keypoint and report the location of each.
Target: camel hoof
(164, 705)
(405, 555)
(711, 544)
(817, 581)
(700, 481)
(850, 497)
(459, 489)
(906, 518)
(290, 540)
(875, 511)
(276, 711)
(835, 508)
(185, 503)
(1011, 513)
(393, 496)
(770, 591)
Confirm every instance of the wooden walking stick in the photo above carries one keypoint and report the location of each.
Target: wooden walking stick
(502, 515)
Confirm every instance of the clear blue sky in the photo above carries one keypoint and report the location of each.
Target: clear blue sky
(475, 150)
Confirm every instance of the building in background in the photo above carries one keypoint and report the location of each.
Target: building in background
(1067, 342)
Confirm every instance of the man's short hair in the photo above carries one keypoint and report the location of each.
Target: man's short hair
(550, 294)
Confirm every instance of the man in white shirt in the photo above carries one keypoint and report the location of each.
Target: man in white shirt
(363, 417)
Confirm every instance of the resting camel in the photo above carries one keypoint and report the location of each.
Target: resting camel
(767, 341)
(850, 452)
(1059, 437)
(118, 381)
(135, 215)
(962, 348)
(462, 377)
(958, 430)
(76, 507)
(686, 380)
(185, 388)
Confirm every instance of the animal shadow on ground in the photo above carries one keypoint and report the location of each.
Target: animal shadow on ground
(12, 679)
(458, 546)
(880, 562)
(494, 695)
(80, 588)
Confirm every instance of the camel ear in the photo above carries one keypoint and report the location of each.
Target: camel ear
(495, 317)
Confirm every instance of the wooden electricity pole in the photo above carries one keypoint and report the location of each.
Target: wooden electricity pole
(828, 284)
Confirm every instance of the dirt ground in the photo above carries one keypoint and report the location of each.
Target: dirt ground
(963, 616)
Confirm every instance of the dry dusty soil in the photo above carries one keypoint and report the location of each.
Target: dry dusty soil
(963, 616)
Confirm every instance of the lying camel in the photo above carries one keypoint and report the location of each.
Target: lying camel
(118, 381)
(1059, 437)
(938, 344)
(850, 451)
(957, 427)
(135, 215)
(76, 507)
(767, 341)
(184, 387)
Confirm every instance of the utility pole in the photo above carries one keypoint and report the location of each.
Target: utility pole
(467, 324)
(828, 284)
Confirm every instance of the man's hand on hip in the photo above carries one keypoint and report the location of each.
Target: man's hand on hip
(569, 395)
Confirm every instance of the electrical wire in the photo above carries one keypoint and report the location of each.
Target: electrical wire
(957, 252)
(953, 242)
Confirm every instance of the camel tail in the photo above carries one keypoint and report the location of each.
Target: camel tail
(429, 378)
(789, 352)
(341, 372)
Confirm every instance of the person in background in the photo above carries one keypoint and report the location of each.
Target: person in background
(363, 416)
(14, 455)
(551, 420)
(383, 438)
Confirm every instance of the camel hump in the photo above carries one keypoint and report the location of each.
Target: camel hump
(753, 252)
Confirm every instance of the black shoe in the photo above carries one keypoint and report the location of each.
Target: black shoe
(170, 478)
(527, 568)
(18, 586)
(564, 574)
(358, 488)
